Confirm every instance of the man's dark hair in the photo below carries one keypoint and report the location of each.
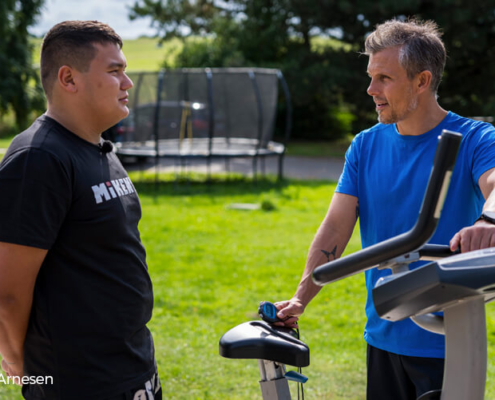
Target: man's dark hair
(71, 43)
(421, 46)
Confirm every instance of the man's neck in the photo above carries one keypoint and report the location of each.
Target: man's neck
(424, 119)
(75, 124)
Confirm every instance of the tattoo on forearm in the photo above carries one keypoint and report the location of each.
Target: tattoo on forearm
(330, 253)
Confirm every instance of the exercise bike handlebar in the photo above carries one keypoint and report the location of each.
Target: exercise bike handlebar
(422, 231)
(433, 252)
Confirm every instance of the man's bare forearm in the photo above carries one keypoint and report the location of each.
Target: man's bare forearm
(322, 251)
(328, 245)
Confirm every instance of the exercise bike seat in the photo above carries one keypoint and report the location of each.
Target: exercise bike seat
(436, 286)
(260, 340)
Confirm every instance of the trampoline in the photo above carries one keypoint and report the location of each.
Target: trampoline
(206, 113)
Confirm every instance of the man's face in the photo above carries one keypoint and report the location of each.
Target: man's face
(104, 86)
(391, 89)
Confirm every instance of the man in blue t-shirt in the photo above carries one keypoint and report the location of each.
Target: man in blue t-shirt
(385, 174)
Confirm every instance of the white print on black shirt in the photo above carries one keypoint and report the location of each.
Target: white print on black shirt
(111, 189)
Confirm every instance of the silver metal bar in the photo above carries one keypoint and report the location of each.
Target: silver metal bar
(275, 390)
(261, 366)
(465, 351)
(273, 370)
(273, 384)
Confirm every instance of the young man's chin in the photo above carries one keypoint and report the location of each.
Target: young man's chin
(124, 112)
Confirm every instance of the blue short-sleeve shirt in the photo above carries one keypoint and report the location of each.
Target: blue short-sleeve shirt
(388, 173)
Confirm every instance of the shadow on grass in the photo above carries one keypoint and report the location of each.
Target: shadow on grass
(217, 185)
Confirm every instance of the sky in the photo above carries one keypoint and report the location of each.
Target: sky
(113, 12)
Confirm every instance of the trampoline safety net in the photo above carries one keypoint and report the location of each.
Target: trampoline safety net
(205, 113)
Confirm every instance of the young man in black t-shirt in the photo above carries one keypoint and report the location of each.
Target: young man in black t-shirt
(75, 293)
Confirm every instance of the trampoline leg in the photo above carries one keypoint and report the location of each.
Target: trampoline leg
(141, 171)
(157, 161)
(183, 167)
(176, 169)
(208, 170)
(227, 167)
(255, 168)
(281, 167)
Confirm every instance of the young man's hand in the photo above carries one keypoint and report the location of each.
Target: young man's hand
(13, 370)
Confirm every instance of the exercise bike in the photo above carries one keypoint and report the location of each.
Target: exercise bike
(459, 285)
(268, 344)
(273, 347)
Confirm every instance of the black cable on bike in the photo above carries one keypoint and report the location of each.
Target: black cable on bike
(300, 385)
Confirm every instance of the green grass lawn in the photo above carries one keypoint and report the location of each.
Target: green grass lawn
(211, 265)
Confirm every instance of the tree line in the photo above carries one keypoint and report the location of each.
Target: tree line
(20, 87)
(316, 43)
(327, 78)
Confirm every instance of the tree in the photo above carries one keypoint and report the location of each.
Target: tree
(469, 36)
(328, 81)
(20, 87)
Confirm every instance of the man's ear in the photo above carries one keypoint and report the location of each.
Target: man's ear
(65, 79)
(424, 81)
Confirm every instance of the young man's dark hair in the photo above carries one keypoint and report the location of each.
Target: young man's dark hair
(72, 43)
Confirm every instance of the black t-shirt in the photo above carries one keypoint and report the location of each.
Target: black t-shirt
(93, 294)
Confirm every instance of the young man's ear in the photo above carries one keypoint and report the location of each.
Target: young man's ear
(424, 80)
(65, 79)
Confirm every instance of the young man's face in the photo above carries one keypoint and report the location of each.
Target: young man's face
(391, 89)
(104, 86)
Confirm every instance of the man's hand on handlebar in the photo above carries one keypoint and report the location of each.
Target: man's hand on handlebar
(289, 311)
(479, 236)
